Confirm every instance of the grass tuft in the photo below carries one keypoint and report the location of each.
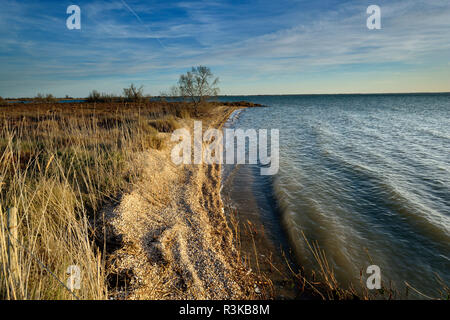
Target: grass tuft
(167, 124)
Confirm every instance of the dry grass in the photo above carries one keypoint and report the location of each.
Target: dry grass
(184, 113)
(167, 124)
(261, 280)
(322, 283)
(59, 164)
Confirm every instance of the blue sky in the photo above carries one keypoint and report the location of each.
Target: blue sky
(254, 46)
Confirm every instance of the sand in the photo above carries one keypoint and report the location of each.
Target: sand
(173, 238)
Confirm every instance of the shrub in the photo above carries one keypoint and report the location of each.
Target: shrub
(96, 96)
(134, 94)
(49, 98)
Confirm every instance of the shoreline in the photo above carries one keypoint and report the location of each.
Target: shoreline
(265, 253)
(176, 241)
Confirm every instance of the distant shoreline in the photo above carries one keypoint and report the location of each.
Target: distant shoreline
(84, 100)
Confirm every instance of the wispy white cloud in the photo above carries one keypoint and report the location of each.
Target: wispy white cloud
(245, 42)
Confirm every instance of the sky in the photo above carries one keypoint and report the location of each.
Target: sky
(253, 46)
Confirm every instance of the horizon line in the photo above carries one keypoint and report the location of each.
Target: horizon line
(272, 94)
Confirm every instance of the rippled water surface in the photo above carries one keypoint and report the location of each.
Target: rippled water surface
(368, 176)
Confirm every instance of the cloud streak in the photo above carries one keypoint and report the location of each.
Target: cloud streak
(247, 43)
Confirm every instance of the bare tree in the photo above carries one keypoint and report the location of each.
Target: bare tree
(49, 98)
(172, 93)
(133, 93)
(198, 85)
(94, 96)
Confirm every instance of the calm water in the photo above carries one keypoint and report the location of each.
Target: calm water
(363, 175)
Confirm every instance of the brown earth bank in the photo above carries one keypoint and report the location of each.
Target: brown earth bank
(173, 238)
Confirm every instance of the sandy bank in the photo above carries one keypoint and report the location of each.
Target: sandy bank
(173, 238)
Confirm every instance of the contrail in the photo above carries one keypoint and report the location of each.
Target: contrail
(140, 21)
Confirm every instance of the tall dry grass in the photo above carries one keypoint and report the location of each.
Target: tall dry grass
(167, 124)
(261, 280)
(59, 164)
(322, 283)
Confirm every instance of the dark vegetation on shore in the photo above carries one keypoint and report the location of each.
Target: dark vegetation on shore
(110, 98)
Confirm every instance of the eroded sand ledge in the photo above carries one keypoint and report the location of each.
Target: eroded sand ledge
(176, 242)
